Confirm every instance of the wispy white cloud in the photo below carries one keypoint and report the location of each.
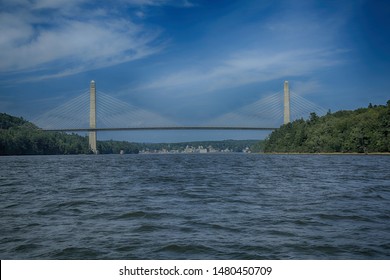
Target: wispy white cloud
(246, 67)
(180, 3)
(290, 42)
(306, 87)
(57, 4)
(43, 36)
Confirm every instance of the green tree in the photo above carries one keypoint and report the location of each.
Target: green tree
(362, 130)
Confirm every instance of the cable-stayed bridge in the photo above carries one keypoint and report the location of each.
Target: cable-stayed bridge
(98, 111)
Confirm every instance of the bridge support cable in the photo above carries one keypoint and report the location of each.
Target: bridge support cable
(70, 114)
(266, 112)
(115, 113)
(111, 113)
(303, 107)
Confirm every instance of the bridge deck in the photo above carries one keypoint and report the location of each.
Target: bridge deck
(163, 128)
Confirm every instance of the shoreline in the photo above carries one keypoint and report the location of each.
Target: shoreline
(260, 153)
(330, 153)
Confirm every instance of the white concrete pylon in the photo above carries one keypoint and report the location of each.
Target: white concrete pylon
(92, 116)
(286, 103)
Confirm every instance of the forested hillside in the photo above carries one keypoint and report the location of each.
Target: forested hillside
(20, 137)
(363, 130)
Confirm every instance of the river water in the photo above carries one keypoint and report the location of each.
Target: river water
(195, 206)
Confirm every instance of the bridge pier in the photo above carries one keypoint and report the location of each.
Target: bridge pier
(92, 117)
(286, 103)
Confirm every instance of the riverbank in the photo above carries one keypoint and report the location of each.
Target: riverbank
(332, 153)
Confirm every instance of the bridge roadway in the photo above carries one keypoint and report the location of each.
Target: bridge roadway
(163, 128)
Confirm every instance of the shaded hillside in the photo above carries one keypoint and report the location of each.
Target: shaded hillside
(362, 130)
(20, 137)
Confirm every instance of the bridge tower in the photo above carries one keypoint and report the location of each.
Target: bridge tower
(286, 103)
(92, 116)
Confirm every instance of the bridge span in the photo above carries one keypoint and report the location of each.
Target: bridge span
(93, 127)
(160, 128)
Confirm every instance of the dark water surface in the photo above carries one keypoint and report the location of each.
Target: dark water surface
(195, 206)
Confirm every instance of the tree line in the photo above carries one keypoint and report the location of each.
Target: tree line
(20, 137)
(365, 130)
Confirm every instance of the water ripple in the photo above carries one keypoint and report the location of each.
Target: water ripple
(228, 206)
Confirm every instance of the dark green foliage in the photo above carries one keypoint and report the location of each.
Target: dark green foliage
(20, 137)
(115, 147)
(8, 121)
(258, 147)
(361, 131)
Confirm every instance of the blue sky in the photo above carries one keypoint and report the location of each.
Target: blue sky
(192, 60)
